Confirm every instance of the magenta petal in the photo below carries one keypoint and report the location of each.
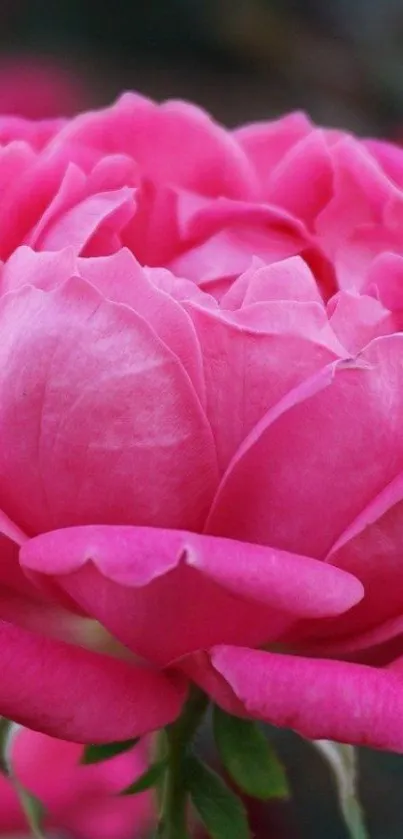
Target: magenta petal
(267, 143)
(214, 163)
(88, 390)
(371, 549)
(74, 694)
(80, 223)
(128, 579)
(42, 269)
(358, 319)
(257, 346)
(302, 182)
(296, 584)
(319, 699)
(120, 278)
(319, 458)
(135, 556)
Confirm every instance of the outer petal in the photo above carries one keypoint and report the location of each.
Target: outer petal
(319, 458)
(74, 694)
(214, 164)
(320, 699)
(167, 593)
(101, 420)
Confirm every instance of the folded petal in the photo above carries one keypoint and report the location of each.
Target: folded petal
(319, 699)
(289, 279)
(223, 237)
(28, 195)
(358, 319)
(74, 694)
(266, 143)
(302, 183)
(75, 228)
(44, 270)
(129, 578)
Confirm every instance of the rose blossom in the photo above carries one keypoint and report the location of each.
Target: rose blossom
(201, 406)
(81, 800)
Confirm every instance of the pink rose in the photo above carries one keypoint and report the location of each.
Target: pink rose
(201, 404)
(81, 800)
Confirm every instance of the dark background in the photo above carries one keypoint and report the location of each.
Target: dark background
(342, 61)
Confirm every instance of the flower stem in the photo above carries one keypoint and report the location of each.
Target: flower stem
(178, 739)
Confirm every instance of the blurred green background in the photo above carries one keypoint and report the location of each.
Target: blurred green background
(342, 61)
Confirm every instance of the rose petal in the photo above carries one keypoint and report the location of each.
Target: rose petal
(358, 319)
(342, 442)
(129, 579)
(44, 270)
(87, 390)
(120, 277)
(214, 163)
(74, 694)
(289, 279)
(266, 143)
(302, 182)
(76, 226)
(253, 358)
(319, 699)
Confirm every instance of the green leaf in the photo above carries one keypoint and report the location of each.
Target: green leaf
(248, 757)
(97, 754)
(220, 810)
(343, 761)
(147, 780)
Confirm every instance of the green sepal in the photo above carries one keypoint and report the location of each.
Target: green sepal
(248, 757)
(105, 751)
(220, 810)
(149, 779)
